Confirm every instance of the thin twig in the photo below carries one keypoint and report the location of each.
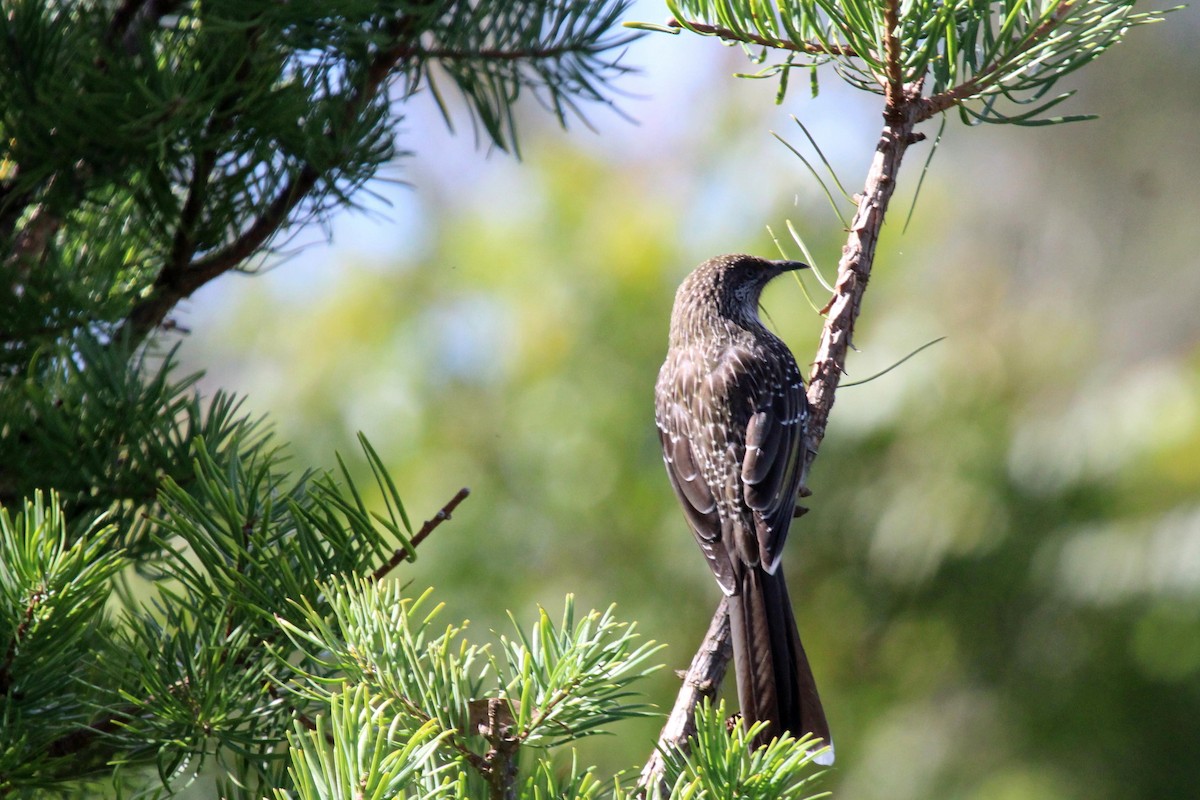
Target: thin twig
(402, 553)
(812, 48)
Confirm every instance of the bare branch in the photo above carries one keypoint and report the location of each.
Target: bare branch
(894, 87)
(702, 680)
(441, 516)
(854, 269)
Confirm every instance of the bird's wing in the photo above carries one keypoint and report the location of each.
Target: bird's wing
(677, 426)
(771, 462)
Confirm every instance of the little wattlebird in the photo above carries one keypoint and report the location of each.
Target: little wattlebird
(731, 409)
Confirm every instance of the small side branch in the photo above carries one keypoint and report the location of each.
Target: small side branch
(725, 34)
(402, 554)
(702, 680)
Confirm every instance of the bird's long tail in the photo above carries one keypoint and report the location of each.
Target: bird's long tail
(775, 683)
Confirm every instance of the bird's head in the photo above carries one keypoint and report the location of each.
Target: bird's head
(725, 288)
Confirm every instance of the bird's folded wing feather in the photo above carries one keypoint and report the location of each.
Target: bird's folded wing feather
(771, 465)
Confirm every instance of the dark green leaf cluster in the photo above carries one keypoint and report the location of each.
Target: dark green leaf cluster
(146, 148)
(106, 430)
(165, 648)
(56, 636)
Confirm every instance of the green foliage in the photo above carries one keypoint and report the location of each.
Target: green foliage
(378, 636)
(546, 781)
(106, 428)
(547, 687)
(146, 149)
(53, 592)
(418, 713)
(188, 669)
(362, 749)
(955, 52)
(723, 762)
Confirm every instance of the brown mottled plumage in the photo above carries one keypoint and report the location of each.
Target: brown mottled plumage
(730, 408)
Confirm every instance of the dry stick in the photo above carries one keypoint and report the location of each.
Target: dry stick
(854, 269)
(403, 553)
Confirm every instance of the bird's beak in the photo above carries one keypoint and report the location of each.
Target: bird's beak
(788, 266)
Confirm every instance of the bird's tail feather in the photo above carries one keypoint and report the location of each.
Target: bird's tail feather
(775, 682)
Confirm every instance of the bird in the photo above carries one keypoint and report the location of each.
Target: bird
(731, 410)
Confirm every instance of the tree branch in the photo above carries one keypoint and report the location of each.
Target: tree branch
(854, 269)
(501, 760)
(894, 84)
(177, 282)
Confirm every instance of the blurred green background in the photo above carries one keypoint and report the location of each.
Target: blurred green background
(999, 581)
